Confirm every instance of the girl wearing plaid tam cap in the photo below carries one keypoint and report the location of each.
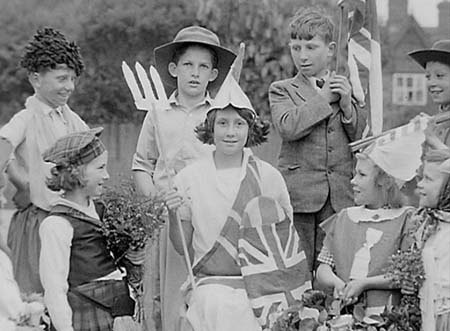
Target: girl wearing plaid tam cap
(52, 64)
(83, 288)
(377, 225)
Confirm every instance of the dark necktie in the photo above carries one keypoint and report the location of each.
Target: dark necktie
(320, 82)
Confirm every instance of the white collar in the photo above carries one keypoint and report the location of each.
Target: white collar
(362, 214)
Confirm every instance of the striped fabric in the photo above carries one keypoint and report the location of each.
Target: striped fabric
(364, 55)
(222, 259)
(272, 259)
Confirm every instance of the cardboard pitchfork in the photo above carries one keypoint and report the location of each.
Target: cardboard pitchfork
(151, 102)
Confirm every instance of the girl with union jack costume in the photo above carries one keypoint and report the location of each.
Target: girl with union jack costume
(216, 198)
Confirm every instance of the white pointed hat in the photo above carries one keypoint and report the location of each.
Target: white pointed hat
(230, 93)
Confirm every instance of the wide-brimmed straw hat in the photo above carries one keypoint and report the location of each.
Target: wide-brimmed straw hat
(197, 35)
(439, 52)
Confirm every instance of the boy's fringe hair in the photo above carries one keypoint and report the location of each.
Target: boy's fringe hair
(392, 196)
(257, 128)
(66, 177)
(179, 51)
(50, 48)
(309, 22)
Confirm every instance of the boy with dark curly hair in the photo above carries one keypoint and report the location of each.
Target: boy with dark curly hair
(53, 64)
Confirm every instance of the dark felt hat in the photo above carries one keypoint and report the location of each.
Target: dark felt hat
(198, 35)
(439, 52)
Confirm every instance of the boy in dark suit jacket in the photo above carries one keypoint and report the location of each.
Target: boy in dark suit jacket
(314, 114)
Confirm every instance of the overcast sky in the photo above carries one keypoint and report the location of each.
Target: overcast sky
(425, 11)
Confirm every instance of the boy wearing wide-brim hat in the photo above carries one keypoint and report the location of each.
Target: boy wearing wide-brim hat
(52, 63)
(436, 62)
(192, 63)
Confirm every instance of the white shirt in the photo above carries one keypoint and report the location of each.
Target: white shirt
(56, 235)
(208, 199)
(31, 132)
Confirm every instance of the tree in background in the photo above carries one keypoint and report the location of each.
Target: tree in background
(110, 31)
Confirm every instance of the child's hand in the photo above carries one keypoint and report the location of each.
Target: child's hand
(353, 290)
(339, 286)
(22, 197)
(172, 199)
(326, 93)
(136, 257)
(341, 86)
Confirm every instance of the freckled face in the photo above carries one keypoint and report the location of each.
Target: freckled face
(54, 86)
(438, 82)
(230, 132)
(430, 186)
(311, 57)
(366, 192)
(95, 174)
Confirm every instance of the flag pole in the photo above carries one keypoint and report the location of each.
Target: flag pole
(342, 39)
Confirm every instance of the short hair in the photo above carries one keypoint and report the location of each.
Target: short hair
(309, 22)
(257, 128)
(48, 49)
(179, 51)
(66, 177)
(392, 195)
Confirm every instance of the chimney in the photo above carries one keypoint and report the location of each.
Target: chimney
(444, 17)
(397, 14)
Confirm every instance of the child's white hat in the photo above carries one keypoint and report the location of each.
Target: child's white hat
(399, 158)
(230, 93)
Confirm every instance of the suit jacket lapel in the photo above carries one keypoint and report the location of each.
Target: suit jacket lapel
(302, 87)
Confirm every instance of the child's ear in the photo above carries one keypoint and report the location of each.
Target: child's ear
(331, 48)
(172, 69)
(214, 74)
(33, 78)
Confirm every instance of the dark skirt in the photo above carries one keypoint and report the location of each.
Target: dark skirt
(25, 245)
(95, 304)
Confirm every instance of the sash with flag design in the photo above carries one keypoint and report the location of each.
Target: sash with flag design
(360, 37)
(222, 258)
(273, 261)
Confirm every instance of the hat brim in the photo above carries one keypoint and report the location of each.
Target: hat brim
(427, 55)
(163, 56)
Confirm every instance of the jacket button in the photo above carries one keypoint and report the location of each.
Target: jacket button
(330, 149)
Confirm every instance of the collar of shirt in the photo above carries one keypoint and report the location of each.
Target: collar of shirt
(173, 100)
(313, 79)
(89, 210)
(46, 109)
(361, 214)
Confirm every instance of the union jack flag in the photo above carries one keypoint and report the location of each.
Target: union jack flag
(273, 263)
(359, 31)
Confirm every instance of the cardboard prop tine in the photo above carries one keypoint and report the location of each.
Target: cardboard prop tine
(148, 103)
(145, 82)
(156, 79)
(236, 67)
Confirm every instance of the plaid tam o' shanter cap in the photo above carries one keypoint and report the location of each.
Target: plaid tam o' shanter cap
(76, 148)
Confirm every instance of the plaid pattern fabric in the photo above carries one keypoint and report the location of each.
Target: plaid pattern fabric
(92, 304)
(326, 257)
(76, 148)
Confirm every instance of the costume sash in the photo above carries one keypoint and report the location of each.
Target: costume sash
(273, 262)
(222, 258)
